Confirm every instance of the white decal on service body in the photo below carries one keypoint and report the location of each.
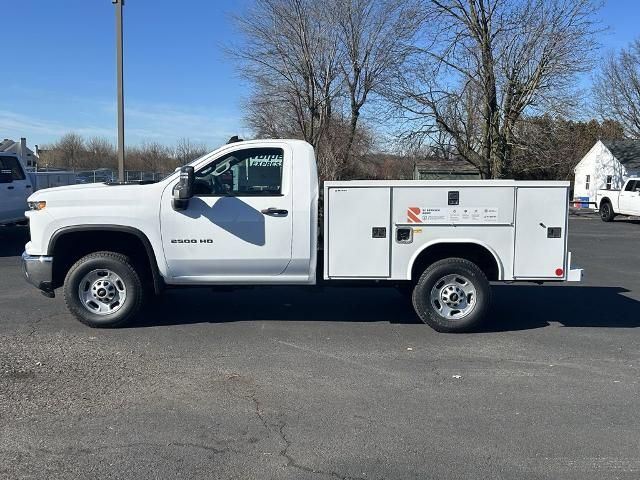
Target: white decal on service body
(489, 214)
(434, 215)
(452, 215)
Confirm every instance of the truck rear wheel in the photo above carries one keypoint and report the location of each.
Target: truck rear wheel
(606, 212)
(452, 295)
(103, 289)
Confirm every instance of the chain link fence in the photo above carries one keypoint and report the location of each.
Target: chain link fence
(54, 177)
(103, 175)
(107, 175)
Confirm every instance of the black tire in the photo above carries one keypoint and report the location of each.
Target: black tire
(606, 212)
(438, 271)
(121, 266)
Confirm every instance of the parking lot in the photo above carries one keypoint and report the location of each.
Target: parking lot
(292, 383)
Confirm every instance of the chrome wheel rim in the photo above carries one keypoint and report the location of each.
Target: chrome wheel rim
(102, 292)
(453, 297)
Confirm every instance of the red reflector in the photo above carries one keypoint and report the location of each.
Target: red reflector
(559, 272)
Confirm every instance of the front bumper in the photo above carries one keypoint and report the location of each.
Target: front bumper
(38, 271)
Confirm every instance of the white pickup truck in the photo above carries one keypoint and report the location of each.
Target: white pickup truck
(15, 188)
(619, 202)
(247, 214)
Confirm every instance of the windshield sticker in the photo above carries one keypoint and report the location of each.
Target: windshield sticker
(269, 160)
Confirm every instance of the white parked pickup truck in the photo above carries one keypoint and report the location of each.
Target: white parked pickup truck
(619, 202)
(15, 188)
(247, 214)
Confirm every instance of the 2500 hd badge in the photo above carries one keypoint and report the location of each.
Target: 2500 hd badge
(191, 240)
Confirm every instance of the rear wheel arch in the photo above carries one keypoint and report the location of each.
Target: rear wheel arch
(478, 253)
(69, 244)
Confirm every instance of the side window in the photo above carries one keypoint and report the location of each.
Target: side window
(248, 172)
(609, 180)
(631, 186)
(587, 182)
(12, 164)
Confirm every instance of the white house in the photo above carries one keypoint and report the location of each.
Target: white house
(606, 166)
(19, 148)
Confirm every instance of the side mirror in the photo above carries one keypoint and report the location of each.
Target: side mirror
(183, 190)
(6, 176)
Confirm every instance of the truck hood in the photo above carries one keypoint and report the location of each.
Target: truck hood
(69, 188)
(93, 191)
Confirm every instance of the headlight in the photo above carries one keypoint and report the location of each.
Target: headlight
(36, 205)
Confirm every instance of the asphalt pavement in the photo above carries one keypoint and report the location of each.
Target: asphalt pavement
(292, 383)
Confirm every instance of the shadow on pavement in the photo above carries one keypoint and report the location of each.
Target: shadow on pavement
(515, 307)
(631, 220)
(200, 305)
(12, 240)
(521, 307)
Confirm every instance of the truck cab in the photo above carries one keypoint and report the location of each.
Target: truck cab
(15, 188)
(619, 202)
(251, 217)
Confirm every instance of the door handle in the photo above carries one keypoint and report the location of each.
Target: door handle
(10, 188)
(274, 212)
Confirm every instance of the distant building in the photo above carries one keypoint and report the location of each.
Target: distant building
(606, 166)
(434, 168)
(29, 158)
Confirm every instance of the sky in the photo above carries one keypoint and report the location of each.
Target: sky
(58, 74)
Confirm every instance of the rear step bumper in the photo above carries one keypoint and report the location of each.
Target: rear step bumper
(573, 274)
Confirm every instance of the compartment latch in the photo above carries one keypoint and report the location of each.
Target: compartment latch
(554, 232)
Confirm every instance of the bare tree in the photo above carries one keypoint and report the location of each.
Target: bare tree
(290, 56)
(315, 65)
(100, 153)
(555, 146)
(375, 38)
(187, 151)
(68, 152)
(151, 157)
(484, 64)
(617, 89)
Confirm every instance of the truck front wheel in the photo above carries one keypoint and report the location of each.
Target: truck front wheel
(606, 212)
(452, 295)
(103, 289)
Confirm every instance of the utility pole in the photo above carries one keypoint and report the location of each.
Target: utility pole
(119, 4)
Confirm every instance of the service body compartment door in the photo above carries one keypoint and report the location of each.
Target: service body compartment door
(358, 232)
(541, 233)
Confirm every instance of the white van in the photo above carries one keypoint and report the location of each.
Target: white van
(15, 188)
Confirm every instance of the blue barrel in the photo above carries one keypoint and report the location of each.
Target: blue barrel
(581, 202)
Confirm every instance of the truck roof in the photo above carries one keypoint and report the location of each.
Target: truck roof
(440, 183)
(268, 140)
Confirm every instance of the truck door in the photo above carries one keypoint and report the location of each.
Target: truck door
(239, 221)
(14, 189)
(541, 232)
(629, 198)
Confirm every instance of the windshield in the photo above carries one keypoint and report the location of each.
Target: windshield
(11, 164)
